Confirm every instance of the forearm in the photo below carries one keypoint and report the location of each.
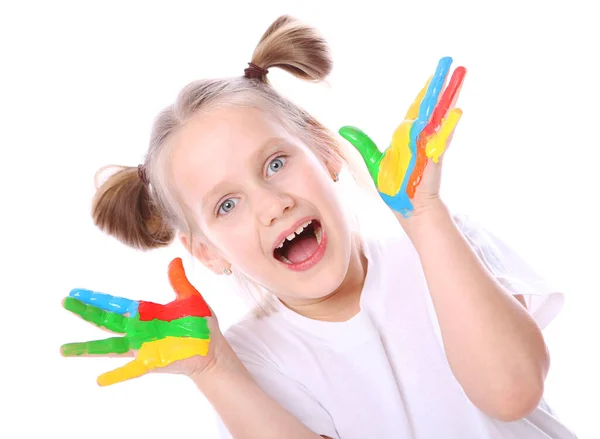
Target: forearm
(493, 345)
(246, 410)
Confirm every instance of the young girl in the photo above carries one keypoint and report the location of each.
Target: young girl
(435, 333)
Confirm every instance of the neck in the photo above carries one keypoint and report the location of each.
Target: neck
(343, 303)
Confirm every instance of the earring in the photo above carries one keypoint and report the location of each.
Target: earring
(335, 177)
(226, 271)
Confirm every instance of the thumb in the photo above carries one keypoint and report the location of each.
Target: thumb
(366, 147)
(182, 286)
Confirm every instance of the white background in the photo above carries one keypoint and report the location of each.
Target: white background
(80, 83)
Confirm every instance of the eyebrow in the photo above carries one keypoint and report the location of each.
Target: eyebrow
(267, 147)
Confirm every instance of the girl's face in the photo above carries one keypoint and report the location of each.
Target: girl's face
(266, 204)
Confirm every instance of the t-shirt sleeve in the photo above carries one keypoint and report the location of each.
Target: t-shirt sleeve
(289, 393)
(543, 300)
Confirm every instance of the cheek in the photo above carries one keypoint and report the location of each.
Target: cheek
(315, 179)
(239, 246)
(321, 190)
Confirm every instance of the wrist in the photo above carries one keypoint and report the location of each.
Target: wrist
(425, 218)
(223, 365)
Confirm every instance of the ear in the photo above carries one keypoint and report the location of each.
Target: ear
(335, 170)
(204, 252)
(334, 167)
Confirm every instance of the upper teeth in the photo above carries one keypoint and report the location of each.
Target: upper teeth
(294, 233)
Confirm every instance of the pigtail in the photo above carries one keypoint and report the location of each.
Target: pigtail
(123, 208)
(294, 47)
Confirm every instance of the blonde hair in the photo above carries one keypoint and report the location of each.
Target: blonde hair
(147, 216)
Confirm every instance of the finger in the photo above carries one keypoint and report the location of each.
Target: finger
(419, 134)
(196, 327)
(161, 353)
(129, 354)
(417, 173)
(413, 110)
(435, 87)
(164, 352)
(368, 150)
(113, 345)
(104, 319)
(183, 287)
(120, 305)
(179, 281)
(192, 306)
(447, 101)
(133, 369)
(438, 143)
(416, 159)
(396, 160)
(156, 354)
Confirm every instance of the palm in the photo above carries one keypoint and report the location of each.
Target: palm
(400, 170)
(161, 335)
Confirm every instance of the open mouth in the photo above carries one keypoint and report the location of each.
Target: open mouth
(301, 245)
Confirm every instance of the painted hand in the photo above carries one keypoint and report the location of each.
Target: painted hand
(423, 135)
(161, 334)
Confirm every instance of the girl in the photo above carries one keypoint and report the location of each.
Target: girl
(435, 333)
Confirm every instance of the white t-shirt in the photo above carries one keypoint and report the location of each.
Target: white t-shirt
(384, 373)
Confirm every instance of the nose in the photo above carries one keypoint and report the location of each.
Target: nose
(271, 204)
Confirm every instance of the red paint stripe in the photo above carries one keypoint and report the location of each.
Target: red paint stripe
(194, 306)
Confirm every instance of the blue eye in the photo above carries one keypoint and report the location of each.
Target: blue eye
(276, 164)
(227, 205)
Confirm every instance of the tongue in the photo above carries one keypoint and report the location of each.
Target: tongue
(301, 248)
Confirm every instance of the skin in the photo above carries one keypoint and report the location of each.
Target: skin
(493, 345)
(499, 358)
(267, 199)
(216, 164)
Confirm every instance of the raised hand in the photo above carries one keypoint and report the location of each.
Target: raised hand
(424, 134)
(161, 334)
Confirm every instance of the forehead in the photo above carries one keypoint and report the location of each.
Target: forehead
(235, 129)
(217, 145)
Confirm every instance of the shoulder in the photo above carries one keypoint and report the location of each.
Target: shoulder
(511, 269)
(261, 338)
(380, 247)
(250, 333)
(494, 252)
(479, 238)
(473, 230)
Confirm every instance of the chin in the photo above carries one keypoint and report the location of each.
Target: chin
(323, 278)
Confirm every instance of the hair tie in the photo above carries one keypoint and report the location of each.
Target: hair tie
(142, 174)
(255, 71)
